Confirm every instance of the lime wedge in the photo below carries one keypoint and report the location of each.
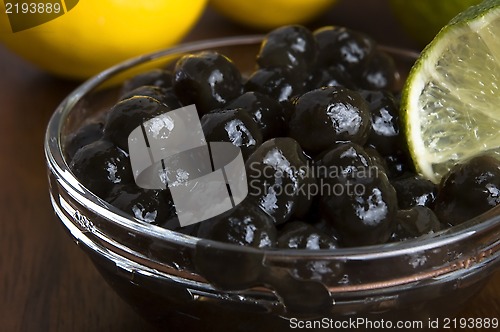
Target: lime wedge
(451, 100)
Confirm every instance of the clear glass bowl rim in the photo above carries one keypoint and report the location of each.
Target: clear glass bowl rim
(58, 166)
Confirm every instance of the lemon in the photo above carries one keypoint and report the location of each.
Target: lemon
(270, 14)
(95, 34)
(451, 100)
(424, 18)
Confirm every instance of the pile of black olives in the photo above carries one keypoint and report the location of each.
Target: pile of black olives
(318, 126)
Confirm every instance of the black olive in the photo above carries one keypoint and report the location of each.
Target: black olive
(279, 179)
(468, 190)
(232, 125)
(266, 112)
(164, 96)
(379, 73)
(339, 46)
(323, 117)
(277, 83)
(147, 205)
(100, 166)
(127, 115)
(292, 47)
(361, 203)
(207, 79)
(85, 135)
(415, 222)
(347, 160)
(156, 77)
(385, 134)
(414, 190)
(364, 217)
(245, 224)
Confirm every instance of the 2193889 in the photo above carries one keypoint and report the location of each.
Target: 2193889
(470, 323)
(33, 8)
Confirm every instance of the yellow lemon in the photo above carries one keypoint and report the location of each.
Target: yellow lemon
(85, 37)
(269, 14)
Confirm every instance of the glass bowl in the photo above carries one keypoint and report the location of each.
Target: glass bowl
(178, 281)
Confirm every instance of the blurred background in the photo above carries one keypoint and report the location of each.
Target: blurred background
(82, 38)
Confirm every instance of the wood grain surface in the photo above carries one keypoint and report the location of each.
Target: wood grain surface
(46, 282)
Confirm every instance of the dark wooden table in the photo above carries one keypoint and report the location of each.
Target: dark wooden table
(46, 283)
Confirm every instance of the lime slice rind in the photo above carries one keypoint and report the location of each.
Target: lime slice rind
(451, 101)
